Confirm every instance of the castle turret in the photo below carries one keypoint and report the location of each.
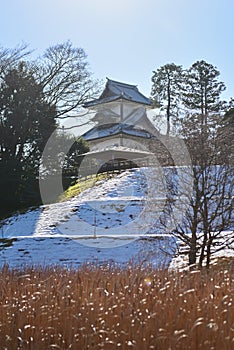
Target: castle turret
(122, 129)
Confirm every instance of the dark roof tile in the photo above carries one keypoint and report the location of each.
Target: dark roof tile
(115, 90)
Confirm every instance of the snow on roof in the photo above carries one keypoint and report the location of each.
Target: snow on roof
(106, 130)
(115, 90)
(119, 150)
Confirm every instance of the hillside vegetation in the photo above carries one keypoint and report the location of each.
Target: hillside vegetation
(84, 184)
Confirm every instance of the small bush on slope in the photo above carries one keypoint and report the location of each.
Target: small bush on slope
(83, 184)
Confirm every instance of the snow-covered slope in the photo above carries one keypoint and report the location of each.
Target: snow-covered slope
(107, 222)
(116, 220)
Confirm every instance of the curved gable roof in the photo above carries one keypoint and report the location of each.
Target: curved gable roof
(107, 130)
(115, 90)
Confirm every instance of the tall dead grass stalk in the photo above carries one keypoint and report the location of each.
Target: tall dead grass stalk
(106, 307)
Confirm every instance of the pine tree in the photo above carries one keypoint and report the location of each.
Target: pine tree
(166, 90)
(210, 211)
(202, 91)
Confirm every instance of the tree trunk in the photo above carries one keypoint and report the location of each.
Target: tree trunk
(208, 255)
(168, 107)
(193, 249)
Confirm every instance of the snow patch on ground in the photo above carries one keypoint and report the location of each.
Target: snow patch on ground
(223, 247)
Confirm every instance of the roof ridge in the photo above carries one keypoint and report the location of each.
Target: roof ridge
(115, 90)
(121, 83)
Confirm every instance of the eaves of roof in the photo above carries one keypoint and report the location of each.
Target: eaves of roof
(115, 90)
(97, 133)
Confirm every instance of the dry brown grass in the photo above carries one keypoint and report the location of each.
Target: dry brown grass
(112, 308)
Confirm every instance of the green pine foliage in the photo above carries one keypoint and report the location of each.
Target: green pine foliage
(33, 96)
(26, 122)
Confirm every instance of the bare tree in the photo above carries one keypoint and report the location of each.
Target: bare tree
(9, 58)
(65, 77)
(207, 223)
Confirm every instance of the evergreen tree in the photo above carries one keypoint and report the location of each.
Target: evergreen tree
(26, 123)
(202, 91)
(33, 97)
(210, 210)
(229, 118)
(166, 89)
(225, 137)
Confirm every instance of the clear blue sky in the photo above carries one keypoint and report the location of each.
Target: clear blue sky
(126, 40)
